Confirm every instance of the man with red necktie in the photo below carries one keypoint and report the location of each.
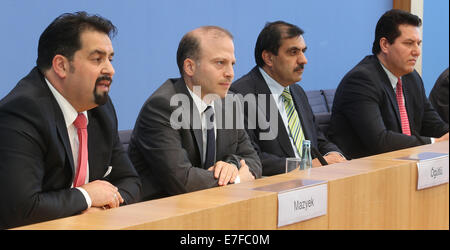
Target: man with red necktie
(380, 105)
(59, 148)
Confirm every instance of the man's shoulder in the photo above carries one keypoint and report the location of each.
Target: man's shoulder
(29, 97)
(413, 77)
(161, 97)
(169, 97)
(368, 72)
(168, 89)
(367, 66)
(296, 89)
(30, 87)
(247, 82)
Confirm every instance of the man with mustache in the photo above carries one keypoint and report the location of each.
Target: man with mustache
(59, 149)
(280, 58)
(179, 143)
(380, 105)
(103, 82)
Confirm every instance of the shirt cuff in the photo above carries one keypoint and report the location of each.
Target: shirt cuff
(86, 196)
(432, 140)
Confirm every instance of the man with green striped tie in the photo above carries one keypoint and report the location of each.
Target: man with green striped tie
(280, 58)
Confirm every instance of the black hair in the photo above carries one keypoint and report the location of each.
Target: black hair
(388, 24)
(62, 36)
(270, 37)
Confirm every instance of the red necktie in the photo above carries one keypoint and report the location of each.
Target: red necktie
(401, 107)
(81, 125)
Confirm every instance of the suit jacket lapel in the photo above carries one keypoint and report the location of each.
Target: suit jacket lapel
(300, 110)
(195, 120)
(262, 88)
(386, 84)
(60, 127)
(392, 98)
(221, 133)
(64, 137)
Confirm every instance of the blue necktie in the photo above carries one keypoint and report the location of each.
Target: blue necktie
(210, 138)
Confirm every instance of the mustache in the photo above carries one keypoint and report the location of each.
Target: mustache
(299, 67)
(103, 78)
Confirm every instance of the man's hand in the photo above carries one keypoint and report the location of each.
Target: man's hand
(334, 157)
(316, 163)
(92, 210)
(244, 172)
(442, 138)
(103, 194)
(225, 172)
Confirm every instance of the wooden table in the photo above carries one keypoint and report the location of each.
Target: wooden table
(377, 192)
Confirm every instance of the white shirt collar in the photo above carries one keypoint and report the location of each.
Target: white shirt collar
(392, 78)
(201, 105)
(69, 112)
(275, 88)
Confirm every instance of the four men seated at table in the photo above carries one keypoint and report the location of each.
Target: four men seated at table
(60, 151)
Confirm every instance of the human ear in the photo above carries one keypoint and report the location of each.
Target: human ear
(267, 58)
(384, 44)
(60, 64)
(189, 67)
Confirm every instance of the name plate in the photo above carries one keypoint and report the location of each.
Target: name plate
(299, 200)
(432, 172)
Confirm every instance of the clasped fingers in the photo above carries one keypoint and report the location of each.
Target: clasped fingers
(103, 194)
(225, 172)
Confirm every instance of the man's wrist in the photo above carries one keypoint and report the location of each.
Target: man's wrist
(86, 196)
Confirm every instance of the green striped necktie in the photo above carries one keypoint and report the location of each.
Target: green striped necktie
(295, 128)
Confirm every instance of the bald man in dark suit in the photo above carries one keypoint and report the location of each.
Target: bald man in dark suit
(180, 142)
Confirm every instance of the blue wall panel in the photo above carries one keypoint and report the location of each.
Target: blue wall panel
(435, 41)
(338, 35)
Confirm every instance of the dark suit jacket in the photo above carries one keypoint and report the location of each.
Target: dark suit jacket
(273, 152)
(36, 165)
(365, 118)
(169, 160)
(439, 96)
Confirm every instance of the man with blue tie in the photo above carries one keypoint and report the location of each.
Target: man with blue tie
(179, 143)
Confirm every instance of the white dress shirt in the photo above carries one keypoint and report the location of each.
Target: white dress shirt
(393, 79)
(70, 114)
(277, 89)
(201, 107)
